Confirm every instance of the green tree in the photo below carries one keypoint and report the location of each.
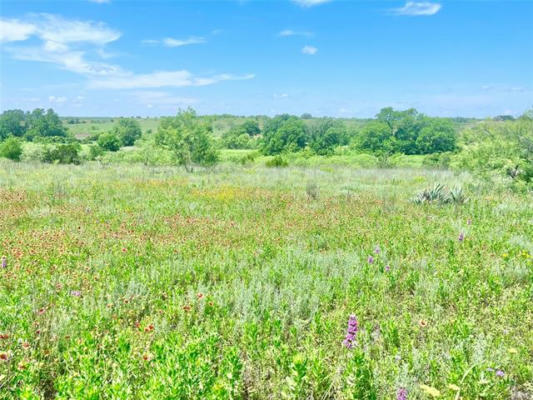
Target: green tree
(189, 137)
(251, 127)
(11, 148)
(438, 135)
(284, 133)
(44, 124)
(127, 130)
(109, 141)
(12, 122)
(376, 136)
(326, 135)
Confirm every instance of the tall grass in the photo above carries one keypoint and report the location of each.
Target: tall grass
(132, 281)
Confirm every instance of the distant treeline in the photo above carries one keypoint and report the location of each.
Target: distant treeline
(503, 144)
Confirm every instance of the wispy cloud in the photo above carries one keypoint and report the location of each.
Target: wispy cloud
(57, 99)
(100, 1)
(181, 78)
(310, 3)
(13, 30)
(63, 42)
(172, 42)
(417, 8)
(70, 43)
(290, 32)
(309, 50)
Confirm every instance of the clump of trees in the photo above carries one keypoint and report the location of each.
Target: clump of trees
(284, 133)
(243, 136)
(31, 125)
(189, 138)
(503, 148)
(407, 132)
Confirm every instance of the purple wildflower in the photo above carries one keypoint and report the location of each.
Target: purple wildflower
(401, 394)
(377, 250)
(500, 373)
(370, 260)
(75, 293)
(351, 332)
(461, 236)
(489, 369)
(4, 262)
(387, 268)
(469, 222)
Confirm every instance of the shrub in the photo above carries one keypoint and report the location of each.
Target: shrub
(11, 148)
(62, 154)
(277, 161)
(109, 141)
(440, 194)
(189, 138)
(95, 151)
(127, 130)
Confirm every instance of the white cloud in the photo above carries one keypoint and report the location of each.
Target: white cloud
(57, 99)
(73, 61)
(290, 32)
(60, 30)
(418, 8)
(100, 1)
(13, 30)
(182, 78)
(309, 50)
(171, 42)
(69, 43)
(310, 3)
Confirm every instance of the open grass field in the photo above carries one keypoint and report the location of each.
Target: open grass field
(134, 282)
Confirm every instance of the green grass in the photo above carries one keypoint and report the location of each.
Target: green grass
(133, 282)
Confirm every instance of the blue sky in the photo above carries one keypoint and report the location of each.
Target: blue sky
(336, 58)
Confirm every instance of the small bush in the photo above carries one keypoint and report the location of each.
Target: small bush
(440, 194)
(11, 148)
(277, 161)
(109, 141)
(95, 152)
(62, 154)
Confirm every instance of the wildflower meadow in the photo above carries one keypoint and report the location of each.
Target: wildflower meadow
(137, 282)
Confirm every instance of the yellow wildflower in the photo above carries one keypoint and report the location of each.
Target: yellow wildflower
(430, 390)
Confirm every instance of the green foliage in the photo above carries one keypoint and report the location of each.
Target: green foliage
(276, 162)
(326, 135)
(436, 136)
(11, 148)
(62, 154)
(440, 194)
(32, 125)
(127, 130)
(12, 123)
(407, 132)
(499, 149)
(44, 124)
(189, 138)
(284, 133)
(95, 151)
(109, 141)
(250, 127)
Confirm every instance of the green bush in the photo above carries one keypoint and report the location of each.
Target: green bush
(62, 154)
(127, 130)
(11, 148)
(109, 141)
(277, 161)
